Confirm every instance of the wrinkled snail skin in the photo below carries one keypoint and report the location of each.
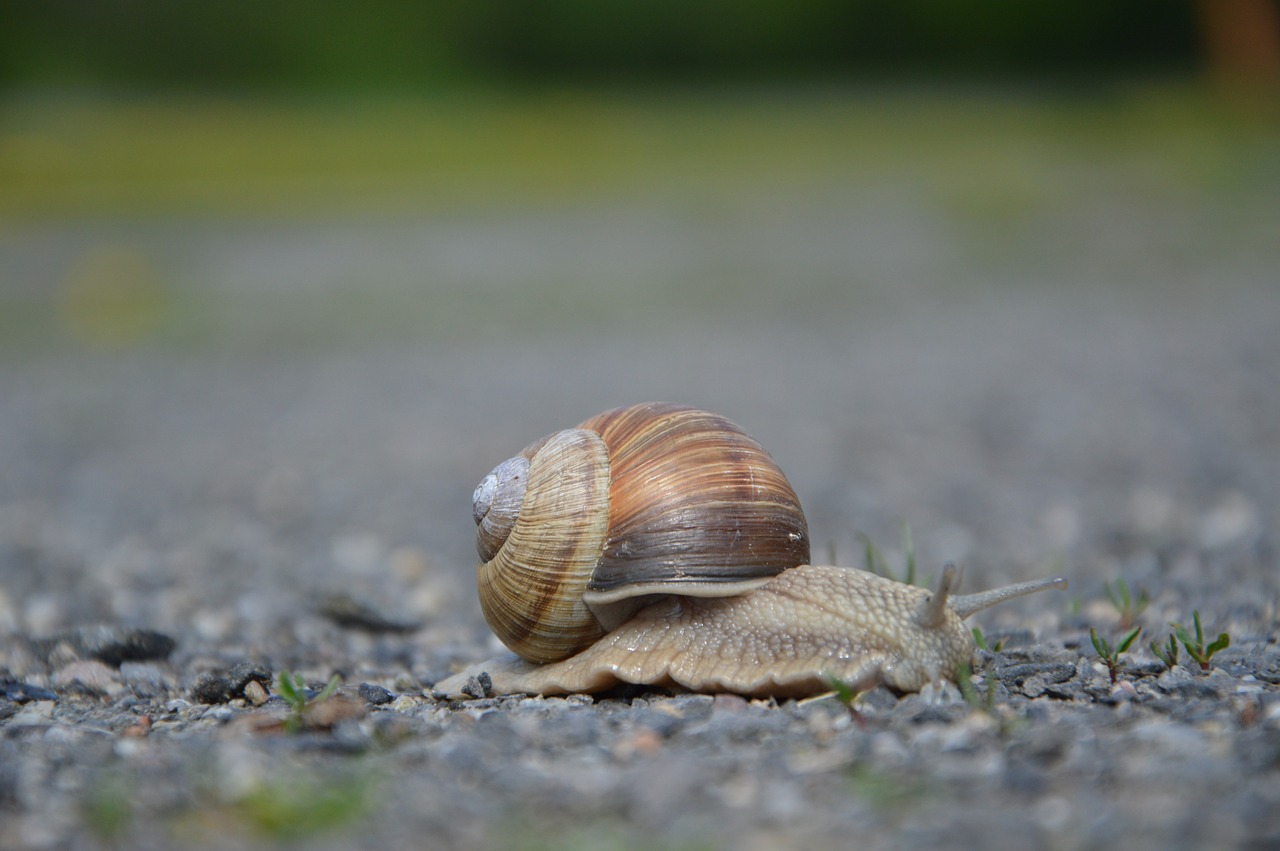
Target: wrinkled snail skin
(658, 544)
(789, 638)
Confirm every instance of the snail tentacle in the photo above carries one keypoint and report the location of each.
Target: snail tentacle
(966, 604)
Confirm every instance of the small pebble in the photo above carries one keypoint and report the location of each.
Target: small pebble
(141, 729)
(221, 714)
(642, 742)
(1055, 672)
(89, 676)
(346, 611)
(1036, 685)
(110, 644)
(211, 688)
(147, 679)
(244, 673)
(1123, 691)
(1182, 683)
(256, 693)
(375, 694)
(329, 713)
(729, 703)
(34, 714)
(478, 686)
(24, 692)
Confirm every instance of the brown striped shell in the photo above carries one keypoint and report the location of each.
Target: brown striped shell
(588, 524)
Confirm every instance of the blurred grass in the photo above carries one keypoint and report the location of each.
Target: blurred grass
(65, 156)
(772, 196)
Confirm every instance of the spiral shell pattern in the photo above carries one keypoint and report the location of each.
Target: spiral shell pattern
(638, 501)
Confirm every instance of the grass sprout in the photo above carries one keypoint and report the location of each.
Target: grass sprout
(981, 641)
(1168, 652)
(107, 810)
(295, 807)
(1110, 654)
(1195, 644)
(1129, 608)
(879, 565)
(984, 701)
(294, 691)
(843, 692)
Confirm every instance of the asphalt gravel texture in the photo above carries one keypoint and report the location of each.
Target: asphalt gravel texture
(182, 521)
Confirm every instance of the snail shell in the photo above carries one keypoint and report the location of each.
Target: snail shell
(588, 525)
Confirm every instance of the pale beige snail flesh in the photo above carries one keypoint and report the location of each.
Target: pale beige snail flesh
(783, 631)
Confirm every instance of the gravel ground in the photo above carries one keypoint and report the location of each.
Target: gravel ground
(181, 522)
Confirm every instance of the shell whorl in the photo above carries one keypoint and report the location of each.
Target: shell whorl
(495, 505)
(531, 588)
(648, 499)
(694, 501)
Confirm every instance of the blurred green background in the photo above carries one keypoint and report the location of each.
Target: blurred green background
(326, 45)
(245, 174)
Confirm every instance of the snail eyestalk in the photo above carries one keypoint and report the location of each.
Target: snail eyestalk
(934, 609)
(966, 604)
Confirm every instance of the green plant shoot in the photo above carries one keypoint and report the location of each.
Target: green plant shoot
(294, 691)
(1125, 604)
(1109, 654)
(1167, 653)
(1196, 648)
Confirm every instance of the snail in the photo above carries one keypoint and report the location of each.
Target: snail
(661, 545)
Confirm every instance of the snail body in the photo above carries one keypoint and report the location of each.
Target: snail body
(700, 582)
